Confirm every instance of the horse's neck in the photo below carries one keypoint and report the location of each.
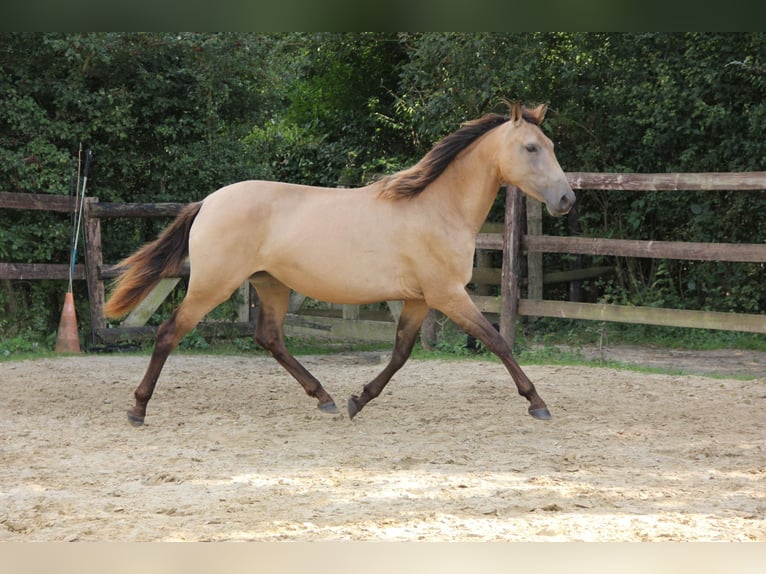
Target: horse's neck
(470, 183)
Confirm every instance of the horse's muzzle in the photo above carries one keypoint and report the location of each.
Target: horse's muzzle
(564, 205)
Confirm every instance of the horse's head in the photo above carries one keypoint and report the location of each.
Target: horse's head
(528, 162)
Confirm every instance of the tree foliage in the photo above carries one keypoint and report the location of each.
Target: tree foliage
(173, 116)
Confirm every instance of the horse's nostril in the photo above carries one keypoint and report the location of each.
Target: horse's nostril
(566, 202)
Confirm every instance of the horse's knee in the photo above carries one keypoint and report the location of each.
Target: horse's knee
(269, 345)
(270, 341)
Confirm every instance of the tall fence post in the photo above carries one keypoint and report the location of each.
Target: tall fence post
(93, 263)
(509, 292)
(534, 214)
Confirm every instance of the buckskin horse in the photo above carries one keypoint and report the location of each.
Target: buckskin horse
(409, 236)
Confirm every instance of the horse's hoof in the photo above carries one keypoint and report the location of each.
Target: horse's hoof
(542, 414)
(353, 406)
(135, 420)
(328, 407)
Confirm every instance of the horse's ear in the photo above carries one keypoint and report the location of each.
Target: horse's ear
(539, 113)
(517, 112)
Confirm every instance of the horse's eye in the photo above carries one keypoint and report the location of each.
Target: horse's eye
(531, 148)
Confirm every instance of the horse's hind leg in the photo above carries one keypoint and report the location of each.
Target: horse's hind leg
(274, 297)
(410, 321)
(183, 320)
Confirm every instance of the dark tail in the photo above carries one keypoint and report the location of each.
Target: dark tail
(164, 257)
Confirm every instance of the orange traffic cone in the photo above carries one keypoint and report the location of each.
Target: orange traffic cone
(67, 339)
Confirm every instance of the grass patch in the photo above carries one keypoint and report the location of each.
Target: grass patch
(574, 332)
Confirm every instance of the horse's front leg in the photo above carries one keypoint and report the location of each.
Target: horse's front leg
(413, 313)
(464, 313)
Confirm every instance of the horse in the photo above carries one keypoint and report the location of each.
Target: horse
(408, 236)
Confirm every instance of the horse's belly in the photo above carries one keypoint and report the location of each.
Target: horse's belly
(353, 281)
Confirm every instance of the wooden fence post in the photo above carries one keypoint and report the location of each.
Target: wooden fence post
(514, 207)
(243, 309)
(428, 331)
(350, 312)
(534, 259)
(93, 263)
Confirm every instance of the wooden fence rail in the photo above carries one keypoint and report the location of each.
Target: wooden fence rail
(35, 271)
(735, 252)
(712, 181)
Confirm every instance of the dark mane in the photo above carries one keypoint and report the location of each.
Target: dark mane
(410, 182)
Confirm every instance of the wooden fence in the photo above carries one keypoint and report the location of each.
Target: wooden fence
(514, 245)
